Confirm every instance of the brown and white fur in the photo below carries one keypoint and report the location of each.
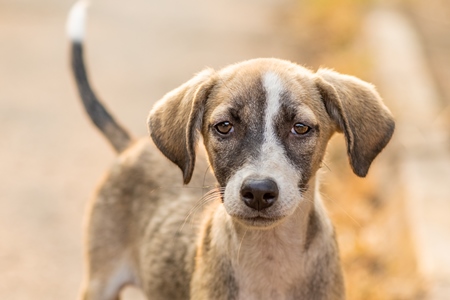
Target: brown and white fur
(263, 232)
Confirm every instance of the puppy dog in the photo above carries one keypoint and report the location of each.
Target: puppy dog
(263, 232)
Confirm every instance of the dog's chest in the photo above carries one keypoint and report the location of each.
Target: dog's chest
(268, 269)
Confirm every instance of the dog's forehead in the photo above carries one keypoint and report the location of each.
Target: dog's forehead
(247, 89)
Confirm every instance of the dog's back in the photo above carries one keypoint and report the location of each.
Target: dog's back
(141, 212)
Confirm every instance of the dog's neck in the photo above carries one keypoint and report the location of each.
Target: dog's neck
(271, 261)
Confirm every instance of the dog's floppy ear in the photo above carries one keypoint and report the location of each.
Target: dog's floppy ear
(176, 119)
(359, 113)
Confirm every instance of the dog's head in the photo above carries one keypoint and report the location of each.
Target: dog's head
(265, 125)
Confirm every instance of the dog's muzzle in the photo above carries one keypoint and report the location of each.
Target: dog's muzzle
(259, 194)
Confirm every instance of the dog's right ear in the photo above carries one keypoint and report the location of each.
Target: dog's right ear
(359, 113)
(175, 121)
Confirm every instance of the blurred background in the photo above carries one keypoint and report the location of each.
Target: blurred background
(393, 227)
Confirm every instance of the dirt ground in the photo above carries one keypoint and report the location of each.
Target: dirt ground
(50, 155)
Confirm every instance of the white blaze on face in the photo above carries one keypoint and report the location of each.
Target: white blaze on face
(272, 162)
(274, 87)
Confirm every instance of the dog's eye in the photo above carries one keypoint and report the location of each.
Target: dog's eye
(224, 127)
(300, 128)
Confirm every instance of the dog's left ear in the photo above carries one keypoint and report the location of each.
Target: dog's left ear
(359, 113)
(175, 121)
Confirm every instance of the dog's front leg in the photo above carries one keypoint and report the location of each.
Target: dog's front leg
(213, 276)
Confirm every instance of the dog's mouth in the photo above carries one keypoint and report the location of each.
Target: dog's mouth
(258, 221)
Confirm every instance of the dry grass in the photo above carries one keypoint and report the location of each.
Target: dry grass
(373, 236)
(326, 33)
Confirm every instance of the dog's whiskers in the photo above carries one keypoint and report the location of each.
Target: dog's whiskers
(240, 245)
(204, 177)
(210, 196)
(343, 209)
(189, 187)
(329, 169)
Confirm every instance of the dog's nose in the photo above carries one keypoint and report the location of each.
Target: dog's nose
(259, 193)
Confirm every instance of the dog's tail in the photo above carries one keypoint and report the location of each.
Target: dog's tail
(114, 132)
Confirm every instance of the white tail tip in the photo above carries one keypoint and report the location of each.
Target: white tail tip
(76, 21)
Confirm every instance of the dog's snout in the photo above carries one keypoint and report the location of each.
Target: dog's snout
(259, 193)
